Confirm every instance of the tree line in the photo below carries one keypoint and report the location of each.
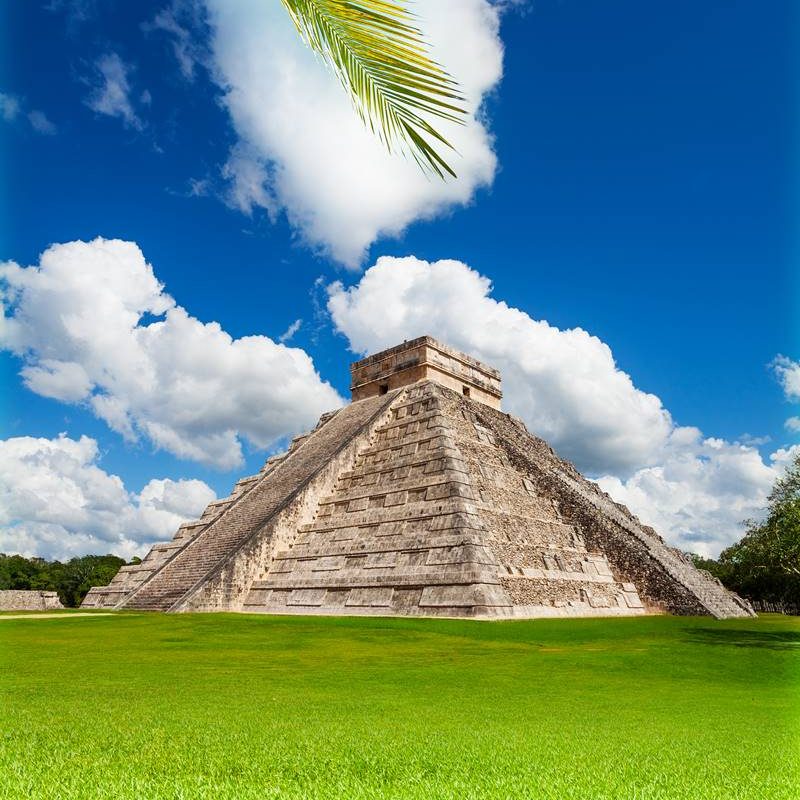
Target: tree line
(764, 566)
(71, 579)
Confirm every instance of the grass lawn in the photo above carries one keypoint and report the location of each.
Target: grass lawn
(228, 706)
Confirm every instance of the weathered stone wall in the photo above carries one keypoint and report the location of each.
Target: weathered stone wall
(28, 600)
(425, 359)
(545, 565)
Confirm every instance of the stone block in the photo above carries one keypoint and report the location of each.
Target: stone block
(328, 563)
(632, 600)
(375, 597)
(396, 498)
(381, 560)
(306, 597)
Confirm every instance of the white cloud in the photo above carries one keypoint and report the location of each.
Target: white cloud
(701, 491)
(567, 387)
(56, 502)
(61, 380)
(75, 11)
(788, 374)
(111, 94)
(198, 187)
(78, 322)
(40, 123)
(291, 331)
(9, 107)
(183, 22)
(565, 384)
(248, 183)
(302, 148)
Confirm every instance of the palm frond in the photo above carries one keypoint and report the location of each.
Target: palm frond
(382, 61)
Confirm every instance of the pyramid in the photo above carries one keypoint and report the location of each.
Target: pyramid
(420, 497)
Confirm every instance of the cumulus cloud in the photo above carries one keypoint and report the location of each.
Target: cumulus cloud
(565, 384)
(302, 149)
(111, 92)
(701, 491)
(568, 388)
(56, 502)
(788, 374)
(93, 325)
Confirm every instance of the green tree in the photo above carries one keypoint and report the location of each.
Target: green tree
(382, 61)
(717, 569)
(18, 572)
(78, 575)
(72, 579)
(765, 564)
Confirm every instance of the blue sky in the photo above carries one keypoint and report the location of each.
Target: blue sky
(633, 174)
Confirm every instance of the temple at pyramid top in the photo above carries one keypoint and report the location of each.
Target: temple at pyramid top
(425, 359)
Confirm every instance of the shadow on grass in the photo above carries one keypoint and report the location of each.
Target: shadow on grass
(741, 637)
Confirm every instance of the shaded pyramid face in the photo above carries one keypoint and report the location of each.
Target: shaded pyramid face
(418, 500)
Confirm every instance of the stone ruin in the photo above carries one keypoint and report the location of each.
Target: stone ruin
(29, 600)
(420, 497)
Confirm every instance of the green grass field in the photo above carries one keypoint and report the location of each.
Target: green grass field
(229, 706)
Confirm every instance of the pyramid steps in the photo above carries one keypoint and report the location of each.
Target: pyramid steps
(245, 514)
(132, 576)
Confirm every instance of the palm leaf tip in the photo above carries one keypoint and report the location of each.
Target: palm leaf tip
(382, 60)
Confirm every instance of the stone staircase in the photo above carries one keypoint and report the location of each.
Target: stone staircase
(132, 576)
(243, 515)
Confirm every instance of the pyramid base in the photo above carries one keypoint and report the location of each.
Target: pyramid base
(486, 613)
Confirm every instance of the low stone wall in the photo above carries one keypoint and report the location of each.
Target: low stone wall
(767, 607)
(28, 600)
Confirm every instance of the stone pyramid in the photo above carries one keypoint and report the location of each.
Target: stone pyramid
(420, 497)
